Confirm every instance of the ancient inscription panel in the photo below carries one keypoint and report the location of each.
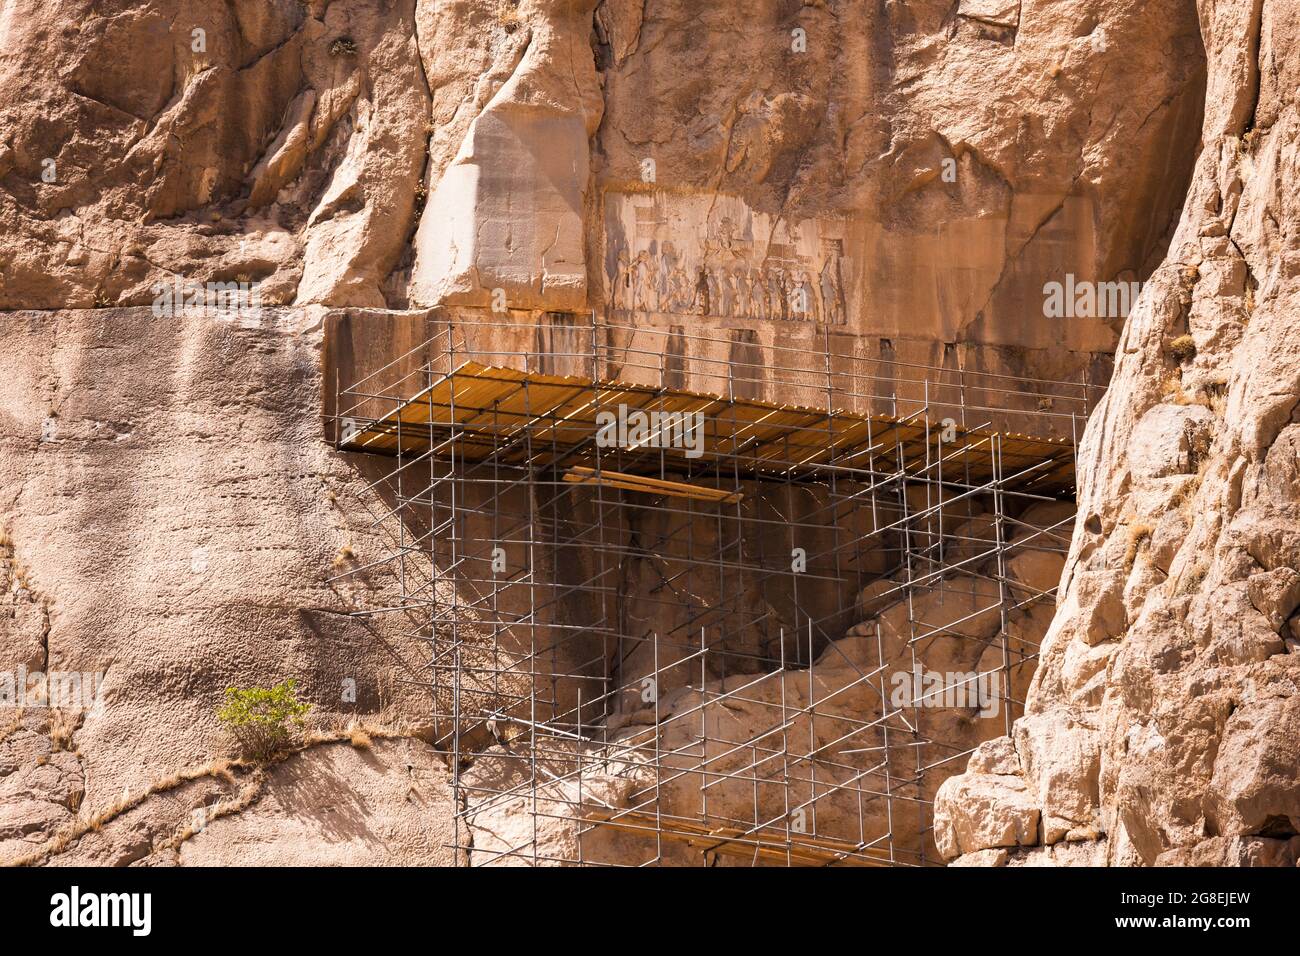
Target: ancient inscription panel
(712, 256)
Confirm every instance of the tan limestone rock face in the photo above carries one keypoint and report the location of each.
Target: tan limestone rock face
(915, 173)
(367, 153)
(266, 141)
(507, 211)
(1165, 440)
(388, 804)
(917, 192)
(1164, 708)
(996, 811)
(173, 523)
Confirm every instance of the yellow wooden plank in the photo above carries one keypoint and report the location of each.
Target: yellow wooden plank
(662, 486)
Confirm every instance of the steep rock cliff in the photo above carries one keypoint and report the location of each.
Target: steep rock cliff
(1163, 725)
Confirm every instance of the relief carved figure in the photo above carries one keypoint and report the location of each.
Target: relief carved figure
(621, 294)
(646, 293)
(832, 294)
(756, 307)
(787, 289)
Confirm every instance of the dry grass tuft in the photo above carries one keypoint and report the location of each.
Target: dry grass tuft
(1201, 443)
(15, 723)
(240, 802)
(508, 16)
(1193, 577)
(1172, 390)
(1137, 535)
(61, 730)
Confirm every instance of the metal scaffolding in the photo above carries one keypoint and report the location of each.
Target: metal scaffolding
(666, 615)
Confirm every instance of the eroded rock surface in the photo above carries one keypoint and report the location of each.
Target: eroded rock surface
(914, 173)
(274, 142)
(1163, 726)
(174, 525)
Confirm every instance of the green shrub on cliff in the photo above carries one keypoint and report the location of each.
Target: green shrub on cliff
(263, 720)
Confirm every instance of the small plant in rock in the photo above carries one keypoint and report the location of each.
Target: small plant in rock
(508, 16)
(1182, 349)
(264, 721)
(343, 46)
(1192, 580)
(1199, 444)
